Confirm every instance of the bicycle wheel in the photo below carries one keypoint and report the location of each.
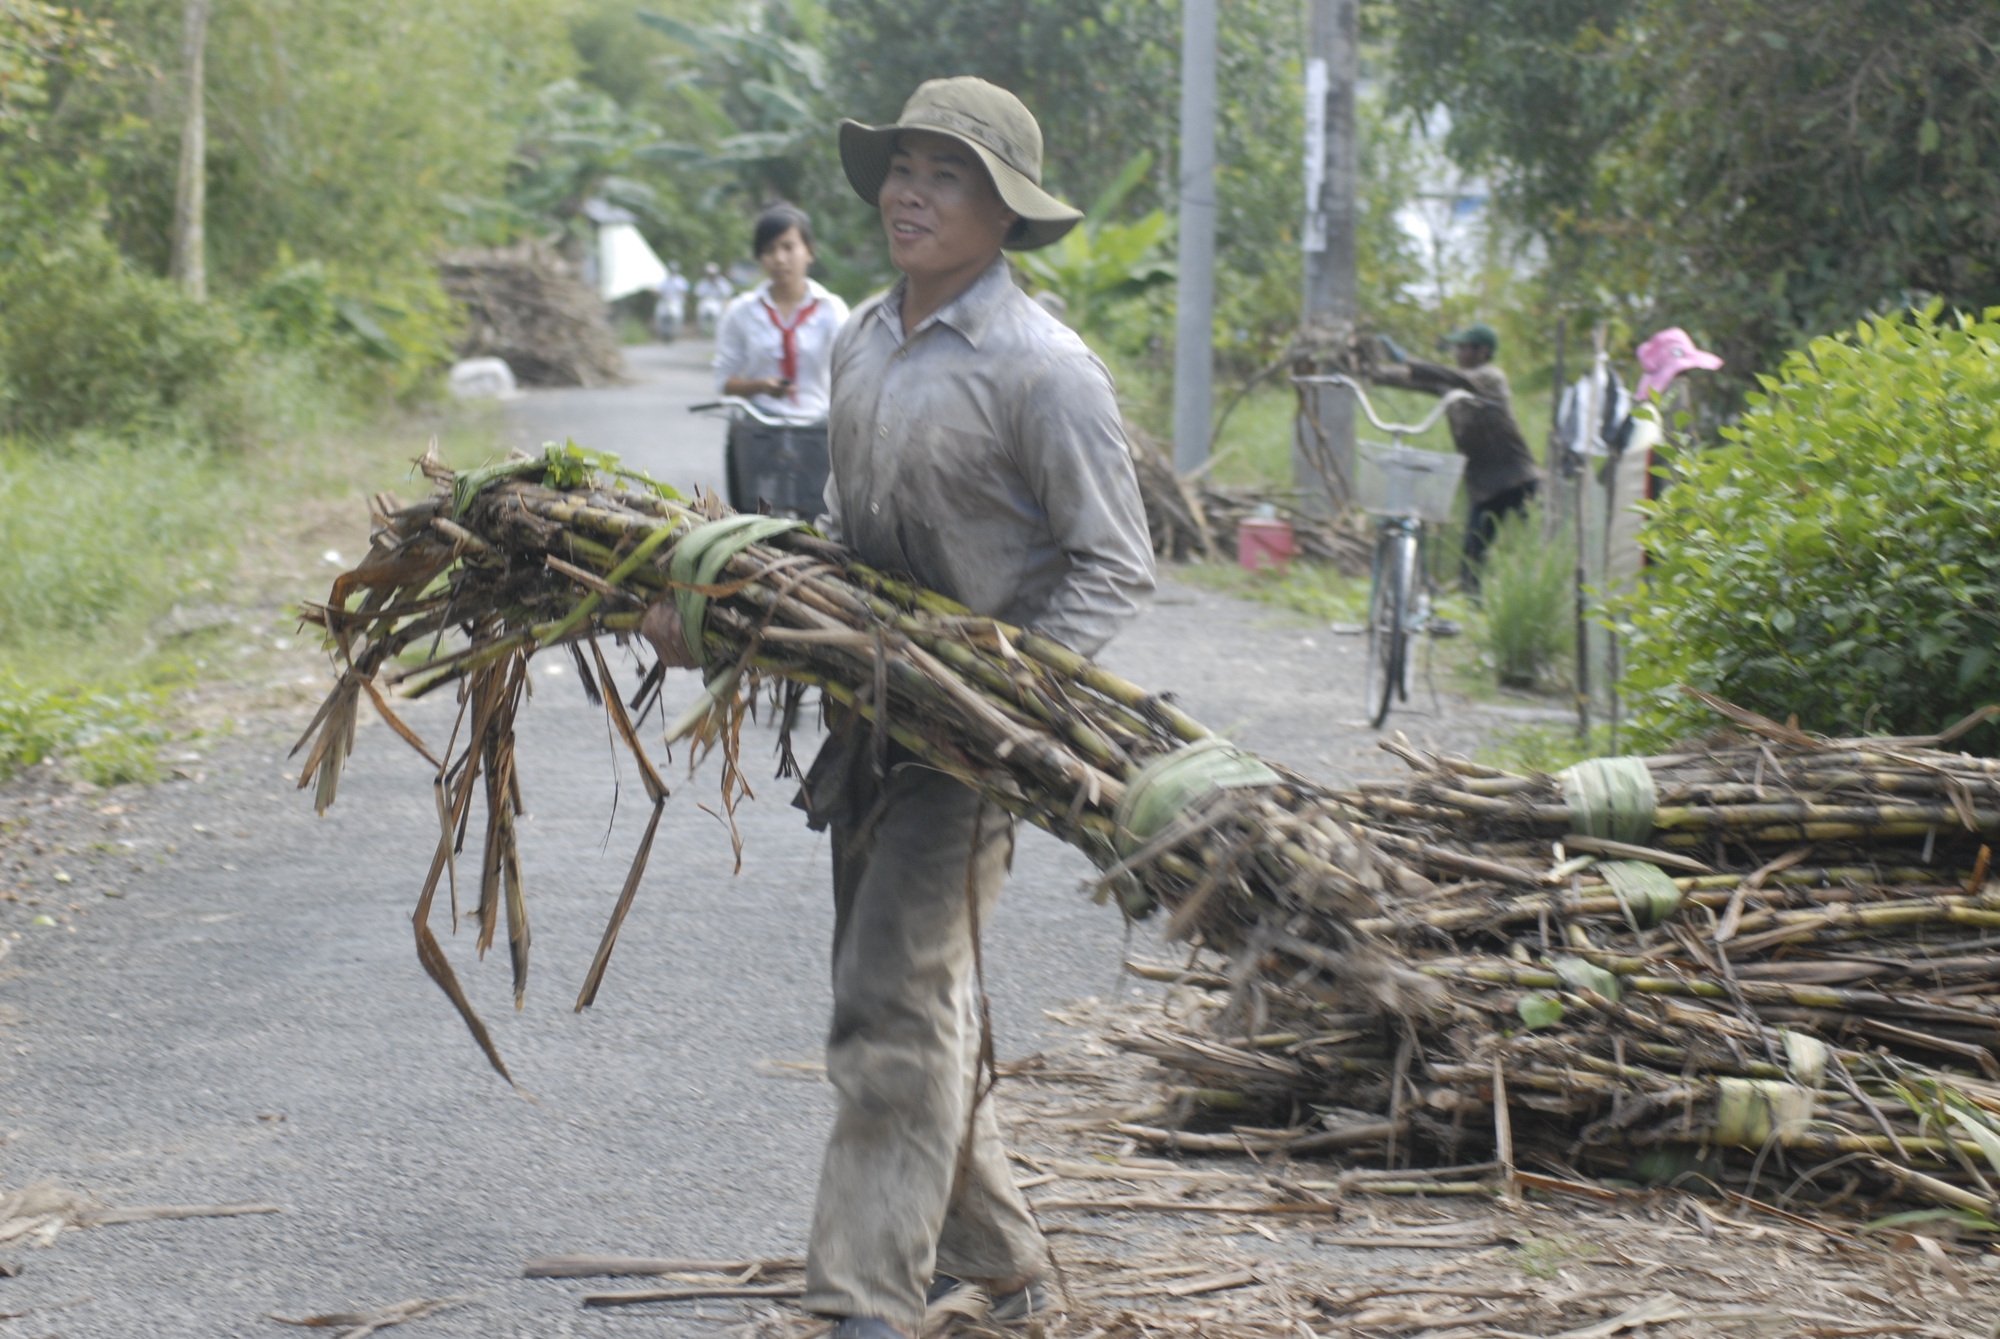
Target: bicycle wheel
(1408, 610)
(1388, 633)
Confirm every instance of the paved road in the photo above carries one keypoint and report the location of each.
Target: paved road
(247, 1021)
(646, 423)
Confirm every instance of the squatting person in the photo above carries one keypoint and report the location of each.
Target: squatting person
(774, 348)
(976, 445)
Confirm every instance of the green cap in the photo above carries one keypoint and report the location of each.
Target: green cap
(1477, 333)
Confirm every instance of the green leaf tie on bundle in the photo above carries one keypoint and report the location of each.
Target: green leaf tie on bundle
(1169, 784)
(1163, 789)
(1749, 1111)
(1806, 1057)
(1612, 798)
(1580, 976)
(700, 557)
(1643, 889)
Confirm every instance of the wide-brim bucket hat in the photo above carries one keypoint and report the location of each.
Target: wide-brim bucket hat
(988, 120)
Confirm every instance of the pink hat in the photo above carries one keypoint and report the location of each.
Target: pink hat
(1667, 355)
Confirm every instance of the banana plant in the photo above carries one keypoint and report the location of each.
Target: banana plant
(1098, 262)
(576, 146)
(760, 86)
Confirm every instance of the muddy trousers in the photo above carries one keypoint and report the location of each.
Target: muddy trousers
(899, 1194)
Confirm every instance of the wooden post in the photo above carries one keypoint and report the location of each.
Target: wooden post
(1553, 453)
(189, 264)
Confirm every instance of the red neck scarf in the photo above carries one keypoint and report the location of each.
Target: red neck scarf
(788, 362)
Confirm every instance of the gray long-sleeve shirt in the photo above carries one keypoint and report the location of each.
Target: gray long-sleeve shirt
(984, 455)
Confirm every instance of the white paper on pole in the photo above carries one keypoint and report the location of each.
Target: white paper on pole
(1316, 89)
(625, 264)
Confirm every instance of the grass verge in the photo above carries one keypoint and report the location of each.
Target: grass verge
(1536, 748)
(147, 588)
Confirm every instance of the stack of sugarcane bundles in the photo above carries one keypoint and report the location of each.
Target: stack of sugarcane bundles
(1778, 944)
(1193, 517)
(527, 306)
(1408, 968)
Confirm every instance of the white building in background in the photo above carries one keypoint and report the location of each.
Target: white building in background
(622, 263)
(1450, 218)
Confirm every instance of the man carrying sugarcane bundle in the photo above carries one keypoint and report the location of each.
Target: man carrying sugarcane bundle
(975, 444)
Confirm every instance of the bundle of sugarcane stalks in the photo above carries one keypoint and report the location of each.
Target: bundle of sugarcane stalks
(552, 553)
(1767, 957)
(527, 306)
(1771, 963)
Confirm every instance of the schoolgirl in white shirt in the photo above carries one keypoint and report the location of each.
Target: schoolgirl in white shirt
(774, 348)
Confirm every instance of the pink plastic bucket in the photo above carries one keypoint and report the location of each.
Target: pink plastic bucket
(1260, 540)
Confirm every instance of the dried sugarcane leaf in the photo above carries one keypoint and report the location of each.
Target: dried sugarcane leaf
(518, 937)
(438, 967)
(656, 790)
(358, 1324)
(395, 722)
(595, 976)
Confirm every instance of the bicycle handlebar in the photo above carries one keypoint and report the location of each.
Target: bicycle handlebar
(740, 405)
(1445, 401)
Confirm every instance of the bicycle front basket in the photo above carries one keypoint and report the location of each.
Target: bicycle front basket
(1407, 481)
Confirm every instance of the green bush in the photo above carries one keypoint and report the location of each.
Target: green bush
(367, 340)
(88, 341)
(1839, 557)
(107, 738)
(1526, 590)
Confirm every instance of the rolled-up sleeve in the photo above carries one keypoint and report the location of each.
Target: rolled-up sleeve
(1071, 449)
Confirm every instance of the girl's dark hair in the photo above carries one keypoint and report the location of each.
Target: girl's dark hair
(775, 222)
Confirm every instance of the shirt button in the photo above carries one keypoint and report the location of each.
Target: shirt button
(882, 431)
(875, 509)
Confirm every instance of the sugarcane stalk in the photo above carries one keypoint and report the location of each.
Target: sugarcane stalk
(1941, 1192)
(1629, 971)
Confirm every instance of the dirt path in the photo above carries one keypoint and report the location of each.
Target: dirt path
(225, 1005)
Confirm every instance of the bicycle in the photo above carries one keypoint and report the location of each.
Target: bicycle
(784, 465)
(1405, 487)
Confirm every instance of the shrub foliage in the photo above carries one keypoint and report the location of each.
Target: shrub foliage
(1526, 590)
(1839, 557)
(89, 341)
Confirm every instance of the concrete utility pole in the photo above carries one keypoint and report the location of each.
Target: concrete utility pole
(1323, 447)
(189, 263)
(1194, 318)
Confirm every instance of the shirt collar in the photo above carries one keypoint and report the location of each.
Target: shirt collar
(815, 292)
(970, 313)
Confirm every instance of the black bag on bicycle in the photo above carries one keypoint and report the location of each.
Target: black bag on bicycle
(779, 466)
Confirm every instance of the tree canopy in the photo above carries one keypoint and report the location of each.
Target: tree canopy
(1762, 170)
